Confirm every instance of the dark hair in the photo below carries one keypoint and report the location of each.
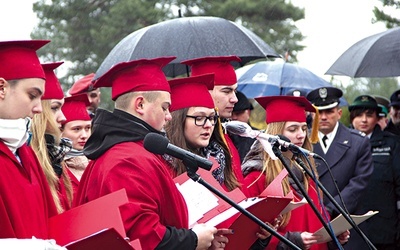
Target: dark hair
(358, 111)
(175, 133)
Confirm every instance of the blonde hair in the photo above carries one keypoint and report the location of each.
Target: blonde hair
(272, 168)
(44, 123)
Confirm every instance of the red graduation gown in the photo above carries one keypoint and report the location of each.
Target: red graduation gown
(302, 219)
(154, 200)
(25, 199)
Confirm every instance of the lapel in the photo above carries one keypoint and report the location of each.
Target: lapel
(338, 148)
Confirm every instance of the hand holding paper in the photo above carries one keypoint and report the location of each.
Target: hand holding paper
(341, 225)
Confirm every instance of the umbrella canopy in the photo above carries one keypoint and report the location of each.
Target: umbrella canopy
(269, 78)
(374, 56)
(188, 38)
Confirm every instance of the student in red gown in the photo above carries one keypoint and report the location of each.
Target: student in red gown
(26, 203)
(77, 127)
(156, 213)
(47, 143)
(286, 116)
(192, 128)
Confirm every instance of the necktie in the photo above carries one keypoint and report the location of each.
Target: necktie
(324, 140)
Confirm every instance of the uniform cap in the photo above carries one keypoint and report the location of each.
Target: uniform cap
(395, 98)
(137, 75)
(296, 92)
(325, 97)
(83, 85)
(383, 102)
(220, 66)
(364, 102)
(74, 108)
(52, 87)
(19, 59)
(243, 103)
(198, 85)
(285, 108)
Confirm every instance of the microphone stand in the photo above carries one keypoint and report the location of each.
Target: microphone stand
(334, 202)
(278, 153)
(191, 168)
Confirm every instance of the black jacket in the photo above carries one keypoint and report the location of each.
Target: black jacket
(383, 190)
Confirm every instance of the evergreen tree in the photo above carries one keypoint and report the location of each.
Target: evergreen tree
(83, 32)
(382, 16)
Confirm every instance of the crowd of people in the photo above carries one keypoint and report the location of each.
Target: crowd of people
(59, 151)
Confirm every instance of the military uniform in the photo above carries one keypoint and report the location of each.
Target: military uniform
(349, 160)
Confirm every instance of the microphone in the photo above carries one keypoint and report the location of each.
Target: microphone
(243, 129)
(160, 145)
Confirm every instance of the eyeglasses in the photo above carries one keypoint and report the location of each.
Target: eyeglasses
(201, 120)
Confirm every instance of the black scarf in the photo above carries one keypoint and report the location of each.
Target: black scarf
(57, 152)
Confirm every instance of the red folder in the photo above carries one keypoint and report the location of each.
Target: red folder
(103, 240)
(272, 203)
(268, 206)
(95, 223)
(236, 195)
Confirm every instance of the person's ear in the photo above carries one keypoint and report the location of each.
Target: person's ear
(138, 104)
(3, 87)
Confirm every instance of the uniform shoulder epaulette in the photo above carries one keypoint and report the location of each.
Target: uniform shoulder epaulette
(360, 133)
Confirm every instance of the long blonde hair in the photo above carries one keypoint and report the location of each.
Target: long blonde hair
(272, 168)
(44, 123)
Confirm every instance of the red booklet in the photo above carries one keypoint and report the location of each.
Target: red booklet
(94, 225)
(206, 207)
(102, 240)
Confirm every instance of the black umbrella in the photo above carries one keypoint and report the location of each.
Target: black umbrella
(188, 38)
(375, 56)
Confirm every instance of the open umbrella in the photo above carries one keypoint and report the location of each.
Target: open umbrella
(188, 38)
(374, 56)
(269, 78)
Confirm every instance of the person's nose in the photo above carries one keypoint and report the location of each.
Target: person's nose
(234, 98)
(363, 117)
(61, 117)
(168, 116)
(37, 108)
(208, 124)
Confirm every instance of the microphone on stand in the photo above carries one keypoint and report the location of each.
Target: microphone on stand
(158, 144)
(243, 129)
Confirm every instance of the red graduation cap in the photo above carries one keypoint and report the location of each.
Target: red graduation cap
(83, 85)
(74, 108)
(52, 87)
(224, 73)
(199, 85)
(137, 75)
(19, 59)
(285, 108)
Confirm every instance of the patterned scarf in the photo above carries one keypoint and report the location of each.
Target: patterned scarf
(57, 152)
(215, 150)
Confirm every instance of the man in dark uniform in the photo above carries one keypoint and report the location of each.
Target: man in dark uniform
(383, 190)
(348, 155)
(394, 123)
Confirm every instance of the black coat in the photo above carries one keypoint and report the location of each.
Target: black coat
(383, 190)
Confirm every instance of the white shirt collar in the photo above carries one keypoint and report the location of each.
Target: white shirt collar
(330, 137)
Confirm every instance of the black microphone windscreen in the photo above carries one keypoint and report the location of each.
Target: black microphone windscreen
(283, 138)
(155, 143)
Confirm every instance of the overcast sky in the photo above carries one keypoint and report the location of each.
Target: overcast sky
(331, 26)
